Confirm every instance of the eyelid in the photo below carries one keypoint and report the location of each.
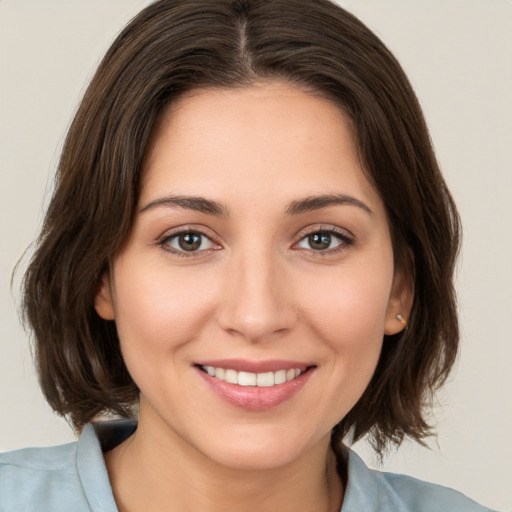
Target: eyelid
(324, 228)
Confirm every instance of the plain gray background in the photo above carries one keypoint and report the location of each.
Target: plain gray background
(458, 54)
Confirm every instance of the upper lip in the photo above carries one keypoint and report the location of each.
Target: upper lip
(242, 365)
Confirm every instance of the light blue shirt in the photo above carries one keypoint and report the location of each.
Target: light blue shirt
(73, 478)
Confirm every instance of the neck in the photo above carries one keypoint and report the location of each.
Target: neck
(155, 470)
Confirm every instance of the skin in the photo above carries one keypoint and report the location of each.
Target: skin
(256, 289)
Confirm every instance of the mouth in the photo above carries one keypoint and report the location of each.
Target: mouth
(250, 379)
(255, 386)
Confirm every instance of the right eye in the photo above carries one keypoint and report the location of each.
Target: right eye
(187, 242)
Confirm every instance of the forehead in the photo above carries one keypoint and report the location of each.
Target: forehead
(271, 139)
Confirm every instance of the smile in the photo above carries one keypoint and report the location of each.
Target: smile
(262, 380)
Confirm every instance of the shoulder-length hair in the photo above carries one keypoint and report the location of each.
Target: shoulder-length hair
(174, 46)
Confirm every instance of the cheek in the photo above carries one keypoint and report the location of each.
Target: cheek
(160, 310)
(352, 306)
(349, 318)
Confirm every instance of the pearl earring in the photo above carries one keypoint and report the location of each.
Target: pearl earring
(401, 318)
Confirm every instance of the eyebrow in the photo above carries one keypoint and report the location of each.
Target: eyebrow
(318, 202)
(198, 204)
(210, 207)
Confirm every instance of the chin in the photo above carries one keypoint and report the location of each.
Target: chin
(262, 450)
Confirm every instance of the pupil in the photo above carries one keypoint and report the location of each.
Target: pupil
(190, 241)
(320, 241)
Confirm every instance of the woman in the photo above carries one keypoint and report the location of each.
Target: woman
(249, 241)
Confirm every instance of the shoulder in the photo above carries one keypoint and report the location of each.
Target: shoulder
(59, 478)
(423, 496)
(38, 459)
(43, 476)
(372, 490)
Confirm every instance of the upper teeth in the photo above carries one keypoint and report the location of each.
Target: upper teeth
(265, 379)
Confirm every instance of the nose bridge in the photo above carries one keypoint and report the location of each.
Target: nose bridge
(256, 304)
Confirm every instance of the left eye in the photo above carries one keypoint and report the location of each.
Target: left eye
(189, 241)
(321, 241)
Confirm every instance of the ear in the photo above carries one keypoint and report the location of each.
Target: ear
(400, 303)
(103, 301)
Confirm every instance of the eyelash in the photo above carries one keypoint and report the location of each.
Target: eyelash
(345, 240)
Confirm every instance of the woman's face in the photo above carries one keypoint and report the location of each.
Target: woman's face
(252, 297)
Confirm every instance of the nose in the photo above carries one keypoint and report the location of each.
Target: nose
(257, 299)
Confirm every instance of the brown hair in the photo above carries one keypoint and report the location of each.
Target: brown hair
(174, 46)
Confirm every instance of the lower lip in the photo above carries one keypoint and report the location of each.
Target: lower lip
(253, 398)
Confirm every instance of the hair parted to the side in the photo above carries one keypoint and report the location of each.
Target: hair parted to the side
(174, 46)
